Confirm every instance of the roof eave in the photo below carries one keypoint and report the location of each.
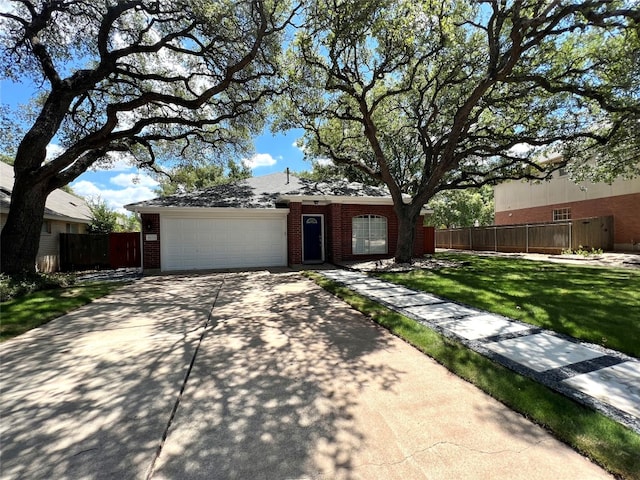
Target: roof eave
(167, 209)
(66, 218)
(327, 199)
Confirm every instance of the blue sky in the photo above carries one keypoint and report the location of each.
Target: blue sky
(123, 184)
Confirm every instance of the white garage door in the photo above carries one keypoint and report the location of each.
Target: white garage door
(210, 243)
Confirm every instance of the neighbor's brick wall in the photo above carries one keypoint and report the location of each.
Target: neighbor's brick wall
(150, 249)
(625, 210)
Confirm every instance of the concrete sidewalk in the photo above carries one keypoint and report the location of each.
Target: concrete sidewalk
(279, 380)
(601, 378)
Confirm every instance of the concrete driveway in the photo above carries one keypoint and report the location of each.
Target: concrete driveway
(283, 381)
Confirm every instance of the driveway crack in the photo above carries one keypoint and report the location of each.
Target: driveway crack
(151, 468)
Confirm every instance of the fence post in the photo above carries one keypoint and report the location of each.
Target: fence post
(526, 236)
(470, 239)
(570, 247)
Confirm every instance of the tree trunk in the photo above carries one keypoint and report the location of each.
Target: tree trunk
(407, 218)
(20, 237)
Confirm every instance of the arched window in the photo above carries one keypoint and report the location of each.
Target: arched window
(369, 234)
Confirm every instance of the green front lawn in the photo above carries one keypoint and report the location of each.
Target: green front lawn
(607, 442)
(599, 305)
(25, 312)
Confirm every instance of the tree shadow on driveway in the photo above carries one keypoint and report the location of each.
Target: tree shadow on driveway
(273, 387)
(88, 394)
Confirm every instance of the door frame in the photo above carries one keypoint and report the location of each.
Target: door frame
(322, 257)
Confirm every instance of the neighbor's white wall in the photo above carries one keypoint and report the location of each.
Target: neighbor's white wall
(49, 248)
(48, 259)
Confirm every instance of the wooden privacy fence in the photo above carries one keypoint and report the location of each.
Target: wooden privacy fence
(595, 232)
(109, 250)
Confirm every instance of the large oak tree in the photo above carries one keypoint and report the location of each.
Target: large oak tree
(152, 79)
(434, 95)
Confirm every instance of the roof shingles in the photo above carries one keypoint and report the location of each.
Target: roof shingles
(60, 204)
(262, 192)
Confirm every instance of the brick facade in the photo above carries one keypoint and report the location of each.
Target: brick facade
(623, 208)
(294, 234)
(337, 231)
(150, 248)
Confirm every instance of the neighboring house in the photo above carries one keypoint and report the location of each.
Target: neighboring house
(64, 213)
(560, 199)
(274, 220)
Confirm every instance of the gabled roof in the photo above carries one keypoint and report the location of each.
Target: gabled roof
(60, 204)
(265, 192)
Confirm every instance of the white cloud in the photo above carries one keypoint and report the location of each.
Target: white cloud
(86, 189)
(324, 162)
(259, 160)
(115, 162)
(133, 190)
(520, 149)
(7, 7)
(53, 150)
(299, 145)
(133, 180)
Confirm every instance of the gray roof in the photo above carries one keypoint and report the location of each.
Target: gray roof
(60, 204)
(262, 192)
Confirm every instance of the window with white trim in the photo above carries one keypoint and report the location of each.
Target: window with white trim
(561, 214)
(369, 234)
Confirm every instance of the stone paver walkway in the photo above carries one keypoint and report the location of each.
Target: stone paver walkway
(604, 379)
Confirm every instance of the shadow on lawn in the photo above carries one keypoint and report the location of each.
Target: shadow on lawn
(91, 397)
(593, 304)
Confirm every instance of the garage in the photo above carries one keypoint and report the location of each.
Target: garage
(256, 222)
(223, 240)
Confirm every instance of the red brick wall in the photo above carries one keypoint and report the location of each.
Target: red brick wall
(339, 234)
(150, 249)
(625, 210)
(337, 225)
(294, 234)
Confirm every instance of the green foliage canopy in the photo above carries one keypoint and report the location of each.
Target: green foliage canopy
(149, 80)
(462, 208)
(187, 178)
(433, 95)
(107, 220)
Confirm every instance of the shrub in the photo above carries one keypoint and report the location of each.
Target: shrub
(12, 286)
(584, 251)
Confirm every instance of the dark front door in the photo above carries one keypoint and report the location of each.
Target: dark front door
(312, 239)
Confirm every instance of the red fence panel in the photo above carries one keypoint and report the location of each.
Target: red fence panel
(124, 250)
(429, 240)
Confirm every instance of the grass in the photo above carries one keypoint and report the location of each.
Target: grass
(598, 305)
(605, 441)
(24, 312)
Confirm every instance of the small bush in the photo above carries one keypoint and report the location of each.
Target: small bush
(584, 251)
(12, 286)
